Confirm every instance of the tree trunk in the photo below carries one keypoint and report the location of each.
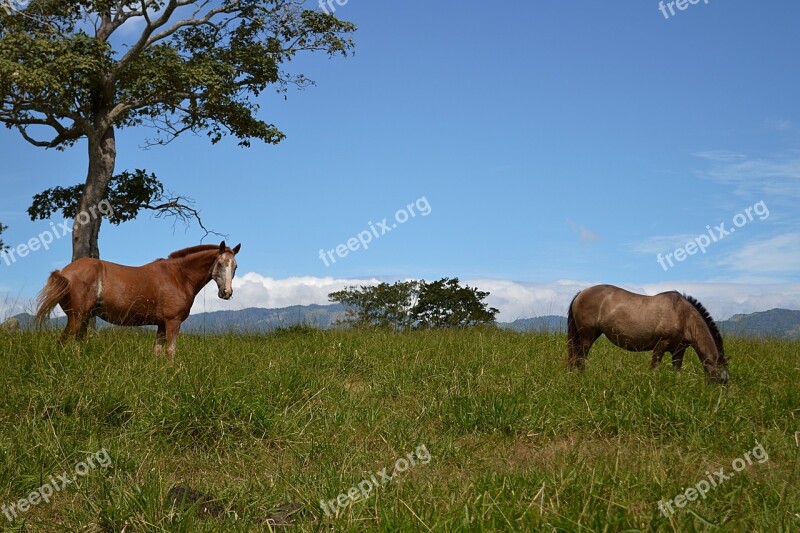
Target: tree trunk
(86, 229)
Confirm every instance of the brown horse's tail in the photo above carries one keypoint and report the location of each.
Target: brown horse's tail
(572, 334)
(57, 287)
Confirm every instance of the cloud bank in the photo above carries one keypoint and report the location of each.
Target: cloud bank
(514, 299)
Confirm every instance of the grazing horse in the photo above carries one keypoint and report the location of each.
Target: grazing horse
(160, 293)
(666, 322)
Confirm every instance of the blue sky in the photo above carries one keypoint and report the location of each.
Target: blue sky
(557, 144)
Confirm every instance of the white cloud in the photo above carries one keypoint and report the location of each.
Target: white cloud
(720, 155)
(255, 290)
(513, 299)
(778, 254)
(778, 176)
(522, 300)
(756, 169)
(778, 124)
(11, 305)
(662, 243)
(726, 299)
(587, 235)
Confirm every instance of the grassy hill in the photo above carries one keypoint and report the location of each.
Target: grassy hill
(515, 441)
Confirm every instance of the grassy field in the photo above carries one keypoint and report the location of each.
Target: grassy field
(515, 442)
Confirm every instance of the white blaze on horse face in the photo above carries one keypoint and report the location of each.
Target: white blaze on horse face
(223, 275)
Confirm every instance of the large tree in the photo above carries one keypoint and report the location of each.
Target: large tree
(446, 304)
(383, 305)
(421, 304)
(72, 70)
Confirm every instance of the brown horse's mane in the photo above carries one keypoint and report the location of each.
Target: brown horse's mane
(712, 326)
(193, 250)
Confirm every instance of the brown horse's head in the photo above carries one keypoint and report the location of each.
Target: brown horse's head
(718, 370)
(224, 269)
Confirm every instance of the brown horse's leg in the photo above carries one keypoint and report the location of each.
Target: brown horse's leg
(677, 358)
(578, 345)
(172, 328)
(658, 353)
(161, 340)
(573, 346)
(73, 328)
(576, 354)
(83, 322)
(584, 344)
(583, 351)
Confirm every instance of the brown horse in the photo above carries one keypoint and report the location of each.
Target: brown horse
(160, 293)
(666, 322)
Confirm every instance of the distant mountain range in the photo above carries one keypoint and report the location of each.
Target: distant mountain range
(255, 320)
(547, 323)
(776, 323)
(252, 320)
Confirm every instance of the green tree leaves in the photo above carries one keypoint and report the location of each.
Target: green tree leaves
(445, 304)
(384, 305)
(415, 305)
(72, 70)
(128, 193)
(58, 59)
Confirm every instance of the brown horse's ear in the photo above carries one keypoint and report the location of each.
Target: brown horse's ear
(222, 247)
(237, 248)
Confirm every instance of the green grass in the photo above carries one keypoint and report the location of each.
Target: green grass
(516, 441)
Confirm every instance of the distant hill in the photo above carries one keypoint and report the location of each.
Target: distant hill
(776, 323)
(256, 320)
(547, 323)
(253, 320)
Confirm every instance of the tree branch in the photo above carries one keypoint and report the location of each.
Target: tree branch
(181, 209)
